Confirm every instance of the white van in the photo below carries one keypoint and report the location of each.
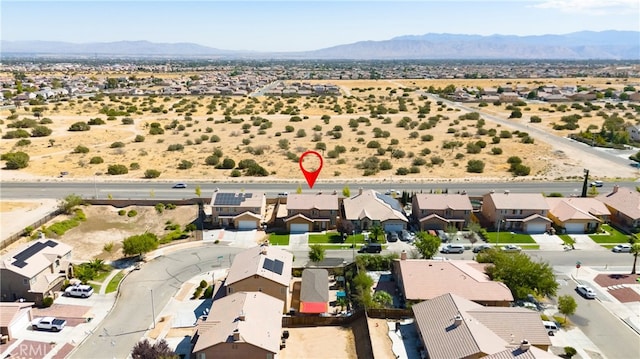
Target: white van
(551, 327)
(79, 290)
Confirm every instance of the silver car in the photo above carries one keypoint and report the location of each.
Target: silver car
(622, 248)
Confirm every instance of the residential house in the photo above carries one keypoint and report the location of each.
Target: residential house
(521, 212)
(14, 316)
(311, 212)
(241, 325)
(240, 210)
(450, 326)
(370, 208)
(624, 205)
(261, 269)
(314, 292)
(35, 270)
(510, 97)
(577, 214)
(438, 211)
(420, 279)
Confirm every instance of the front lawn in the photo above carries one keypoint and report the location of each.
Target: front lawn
(567, 239)
(612, 236)
(334, 237)
(508, 237)
(279, 239)
(530, 246)
(115, 281)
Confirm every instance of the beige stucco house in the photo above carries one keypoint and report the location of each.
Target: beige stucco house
(263, 269)
(239, 210)
(370, 208)
(311, 212)
(518, 212)
(35, 270)
(438, 211)
(577, 214)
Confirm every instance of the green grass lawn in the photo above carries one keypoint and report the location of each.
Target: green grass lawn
(101, 276)
(279, 239)
(566, 239)
(614, 236)
(607, 246)
(343, 246)
(530, 246)
(333, 237)
(113, 284)
(507, 237)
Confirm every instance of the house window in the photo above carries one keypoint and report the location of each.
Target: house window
(25, 281)
(283, 290)
(259, 289)
(202, 356)
(229, 290)
(269, 355)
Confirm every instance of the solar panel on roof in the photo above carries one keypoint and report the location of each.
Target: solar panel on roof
(231, 199)
(277, 266)
(268, 264)
(30, 252)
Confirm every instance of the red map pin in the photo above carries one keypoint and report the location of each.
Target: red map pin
(311, 176)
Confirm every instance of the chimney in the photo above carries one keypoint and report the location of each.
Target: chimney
(403, 255)
(525, 345)
(360, 190)
(236, 335)
(457, 320)
(241, 316)
(615, 188)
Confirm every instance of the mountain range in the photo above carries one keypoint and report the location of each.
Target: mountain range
(585, 45)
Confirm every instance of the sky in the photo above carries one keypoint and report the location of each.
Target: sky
(302, 25)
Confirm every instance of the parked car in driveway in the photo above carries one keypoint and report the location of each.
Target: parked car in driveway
(48, 323)
(453, 248)
(393, 237)
(511, 248)
(79, 290)
(621, 248)
(481, 247)
(585, 291)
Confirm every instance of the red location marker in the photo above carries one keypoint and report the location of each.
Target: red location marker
(310, 176)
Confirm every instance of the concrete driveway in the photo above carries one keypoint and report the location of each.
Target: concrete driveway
(548, 242)
(241, 239)
(298, 241)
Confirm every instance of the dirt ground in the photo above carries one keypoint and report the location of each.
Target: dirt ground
(104, 225)
(238, 142)
(319, 343)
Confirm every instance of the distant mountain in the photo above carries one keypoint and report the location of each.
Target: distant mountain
(585, 45)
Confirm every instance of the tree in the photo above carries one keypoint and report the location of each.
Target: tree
(299, 189)
(376, 232)
(160, 349)
(427, 244)
(566, 305)
(345, 226)
(316, 253)
(139, 244)
(475, 166)
(198, 191)
(15, 160)
(382, 299)
(70, 202)
(635, 252)
(346, 191)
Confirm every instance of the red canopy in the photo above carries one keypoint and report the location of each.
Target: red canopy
(313, 307)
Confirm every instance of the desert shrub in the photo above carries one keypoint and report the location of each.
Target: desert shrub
(15, 160)
(134, 166)
(41, 131)
(127, 121)
(437, 160)
(426, 138)
(385, 165)
(227, 164)
(373, 144)
(535, 119)
(185, 165)
(301, 133)
(122, 212)
(212, 160)
(520, 170)
(475, 166)
(156, 131)
(80, 149)
(117, 144)
(496, 150)
(236, 173)
(79, 126)
(96, 121)
(16, 134)
(117, 169)
(23, 142)
(139, 138)
(175, 147)
(132, 213)
(159, 207)
(96, 160)
(214, 138)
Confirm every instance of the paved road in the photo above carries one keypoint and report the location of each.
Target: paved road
(132, 315)
(613, 337)
(163, 190)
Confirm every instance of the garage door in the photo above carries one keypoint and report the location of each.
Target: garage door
(21, 323)
(574, 228)
(299, 227)
(393, 227)
(536, 228)
(247, 225)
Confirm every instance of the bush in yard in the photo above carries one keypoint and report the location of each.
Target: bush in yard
(570, 352)
(96, 160)
(208, 293)
(47, 301)
(115, 170)
(203, 284)
(475, 166)
(139, 244)
(151, 173)
(15, 160)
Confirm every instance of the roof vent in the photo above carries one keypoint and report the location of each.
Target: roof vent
(457, 320)
(241, 316)
(525, 345)
(403, 255)
(236, 335)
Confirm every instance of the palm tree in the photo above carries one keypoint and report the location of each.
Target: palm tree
(635, 252)
(376, 232)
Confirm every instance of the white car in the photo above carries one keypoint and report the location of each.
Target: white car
(622, 248)
(79, 290)
(585, 291)
(511, 248)
(452, 248)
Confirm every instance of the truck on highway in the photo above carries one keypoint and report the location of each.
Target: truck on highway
(48, 323)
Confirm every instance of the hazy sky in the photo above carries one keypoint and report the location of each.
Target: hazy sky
(300, 25)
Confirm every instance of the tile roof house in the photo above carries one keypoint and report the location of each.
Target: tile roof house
(577, 214)
(240, 210)
(261, 269)
(35, 270)
(241, 325)
(438, 211)
(624, 205)
(14, 316)
(450, 326)
(420, 279)
(370, 208)
(521, 212)
(311, 212)
(314, 294)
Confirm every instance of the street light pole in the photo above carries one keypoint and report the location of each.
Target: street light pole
(153, 309)
(353, 247)
(498, 234)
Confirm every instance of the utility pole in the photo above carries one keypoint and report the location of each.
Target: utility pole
(584, 185)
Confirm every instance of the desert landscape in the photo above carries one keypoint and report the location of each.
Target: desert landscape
(375, 130)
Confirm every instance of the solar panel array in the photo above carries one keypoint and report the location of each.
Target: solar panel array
(30, 252)
(231, 199)
(392, 202)
(274, 266)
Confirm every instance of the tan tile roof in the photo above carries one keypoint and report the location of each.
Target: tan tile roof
(9, 311)
(532, 201)
(312, 201)
(426, 279)
(261, 327)
(532, 353)
(494, 331)
(625, 200)
(370, 204)
(36, 262)
(250, 262)
(456, 202)
(577, 208)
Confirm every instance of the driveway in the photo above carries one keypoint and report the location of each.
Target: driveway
(240, 239)
(548, 242)
(583, 241)
(299, 241)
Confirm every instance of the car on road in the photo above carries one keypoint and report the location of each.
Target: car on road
(283, 194)
(48, 323)
(597, 184)
(511, 248)
(371, 248)
(621, 248)
(585, 291)
(180, 185)
(481, 247)
(79, 290)
(453, 248)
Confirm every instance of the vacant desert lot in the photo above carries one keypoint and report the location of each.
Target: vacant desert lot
(194, 128)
